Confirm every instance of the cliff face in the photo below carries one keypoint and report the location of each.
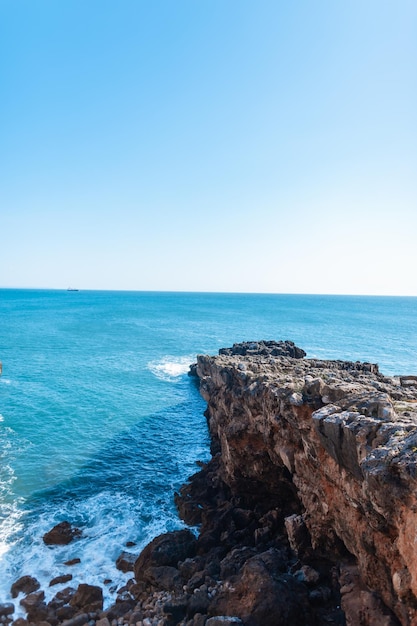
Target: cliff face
(341, 439)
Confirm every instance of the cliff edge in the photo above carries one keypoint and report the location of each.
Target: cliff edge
(341, 439)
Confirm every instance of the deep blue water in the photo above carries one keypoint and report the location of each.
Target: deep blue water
(100, 423)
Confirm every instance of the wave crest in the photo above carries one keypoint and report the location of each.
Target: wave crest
(170, 368)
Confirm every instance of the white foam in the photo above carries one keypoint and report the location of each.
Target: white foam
(108, 520)
(170, 368)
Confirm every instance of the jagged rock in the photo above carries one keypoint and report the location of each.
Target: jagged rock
(162, 577)
(78, 620)
(263, 596)
(60, 579)
(176, 608)
(25, 584)
(35, 606)
(265, 348)
(61, 534)
(166, 550)
(88, 598)
(6, 609)
(126, 561)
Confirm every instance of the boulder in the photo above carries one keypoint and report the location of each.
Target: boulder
(126, 562)
(6, 609)
(262, 595)
(166, 550)
(61, 534)
(25, 584)
(35, 606)
(89, 598)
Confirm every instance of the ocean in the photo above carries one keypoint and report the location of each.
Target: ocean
(100, 424)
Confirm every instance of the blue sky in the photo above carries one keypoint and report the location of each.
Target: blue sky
(209, 145)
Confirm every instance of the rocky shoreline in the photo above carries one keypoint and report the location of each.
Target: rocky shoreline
(306, 513)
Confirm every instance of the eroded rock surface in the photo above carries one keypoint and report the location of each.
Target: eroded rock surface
(338, 437)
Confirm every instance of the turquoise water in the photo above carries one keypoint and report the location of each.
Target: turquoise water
(100, 423)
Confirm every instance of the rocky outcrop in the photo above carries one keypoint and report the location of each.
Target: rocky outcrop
(61, 535)
(339, 439)
(306, 514)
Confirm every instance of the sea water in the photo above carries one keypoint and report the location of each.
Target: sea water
(100, 424)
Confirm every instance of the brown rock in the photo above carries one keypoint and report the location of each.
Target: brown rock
(20, 621)
(6, 609)
(164, 577)
(78, 620)
(60, 579)
(166, 550)
(61, 534)
(89, 598)
(25, 584)
(72, 562)
(35, 606)
(263, 596)
(126, 561)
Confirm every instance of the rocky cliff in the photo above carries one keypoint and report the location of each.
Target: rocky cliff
(339, 440)
(306, 514)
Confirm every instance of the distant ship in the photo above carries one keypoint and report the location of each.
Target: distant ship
(72, 289)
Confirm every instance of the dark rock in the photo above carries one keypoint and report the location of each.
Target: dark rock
(298, 534)
(61, 534)
(60, 579)
(119, 609)
(6, 609)
(35, 606)
(62, 597)
(166, 550)
(65, 612)
(163, 578)
(176, 608)
(136, 616)
(25, 584)
(265, 348)
(196, 580)
(193, 370)
(199, 603)
(72, 562)
(126, 561)
(88, 598)
(78, 620)
(234, 561)
(263, 596)
(199, 620)
(191, 566)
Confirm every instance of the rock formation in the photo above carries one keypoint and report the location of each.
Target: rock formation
(341, 439)
(306, 513)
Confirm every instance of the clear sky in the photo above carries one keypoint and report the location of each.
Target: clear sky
(209, 145)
